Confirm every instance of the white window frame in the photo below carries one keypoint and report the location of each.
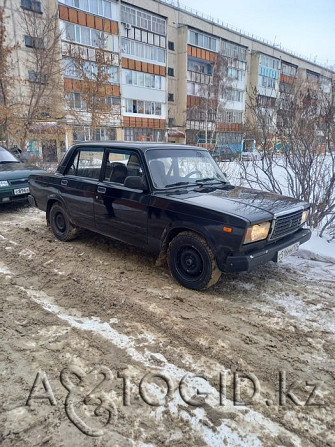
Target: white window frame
(133, 105)
(103, 8)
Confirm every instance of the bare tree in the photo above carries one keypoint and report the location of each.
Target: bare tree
(42, 98)
(212, 95)
(7, 81)
(94, 69)
(295, 132)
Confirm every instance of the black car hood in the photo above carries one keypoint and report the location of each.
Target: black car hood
(244, 202)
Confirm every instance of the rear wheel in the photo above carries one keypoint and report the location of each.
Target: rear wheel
(60, 224)
(191, 261)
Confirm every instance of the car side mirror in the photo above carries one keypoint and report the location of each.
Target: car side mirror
(135, 182)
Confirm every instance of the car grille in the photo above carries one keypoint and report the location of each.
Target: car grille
(286, 224)
(18, 181)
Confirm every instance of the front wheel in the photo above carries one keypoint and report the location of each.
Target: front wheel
(60, 224)
(191, 261)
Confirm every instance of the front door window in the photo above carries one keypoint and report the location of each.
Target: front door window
(120, 165)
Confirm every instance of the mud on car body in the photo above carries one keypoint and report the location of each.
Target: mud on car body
(173, 201)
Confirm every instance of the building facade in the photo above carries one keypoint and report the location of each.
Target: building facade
(150, 61)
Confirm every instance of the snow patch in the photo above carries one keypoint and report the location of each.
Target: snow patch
(318, 249)
(4, 270)
(27, 253)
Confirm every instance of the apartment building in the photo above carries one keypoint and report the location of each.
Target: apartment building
(160, 62)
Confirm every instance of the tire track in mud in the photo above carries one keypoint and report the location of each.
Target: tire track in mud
(98, 277)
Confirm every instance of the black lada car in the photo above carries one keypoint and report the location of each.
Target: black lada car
(173, 201)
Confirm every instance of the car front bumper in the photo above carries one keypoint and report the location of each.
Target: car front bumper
(247, 262)
(7, 195)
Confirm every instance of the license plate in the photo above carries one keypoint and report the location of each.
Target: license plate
(19, 191)
(287, 251)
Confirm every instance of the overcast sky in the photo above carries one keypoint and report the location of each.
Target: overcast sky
(306, 27)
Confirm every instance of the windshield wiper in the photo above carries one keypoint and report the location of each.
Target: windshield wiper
(179, 184)
(208, 179)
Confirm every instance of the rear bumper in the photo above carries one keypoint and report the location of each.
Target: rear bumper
(241, 263)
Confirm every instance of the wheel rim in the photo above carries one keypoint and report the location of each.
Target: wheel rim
(189, 263)
(60, 222)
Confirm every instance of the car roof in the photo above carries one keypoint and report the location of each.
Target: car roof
(145, 146)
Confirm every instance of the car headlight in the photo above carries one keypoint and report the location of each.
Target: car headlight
(257, 232)
(304, 217)
(4, 183)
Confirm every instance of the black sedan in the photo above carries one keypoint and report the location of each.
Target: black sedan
(14, 177)
(173, 201)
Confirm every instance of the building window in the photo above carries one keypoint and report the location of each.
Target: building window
(104, 8)
(270, 62)
(75, 101)
(139, 50)
(268, 72)
(133, 33)
(71, 70)
(171, 97)
(202, 40)
(289, 70)
(266, 101)
(143, 20)
(192, 88)
(113, 100)
(198, 66)
(33, 42)
(311, 76)
(84, 133)
(140, 134)
(171, 45)
(89, 36)
(143, 107)
(286, 87)
(234, 95)
(266, 82)
(235, 74)
(233, 51)
(31, 5)
(170, 71)
(171, 122)
(37, 77)
(140, 79)
(325, 84)
(231, 116)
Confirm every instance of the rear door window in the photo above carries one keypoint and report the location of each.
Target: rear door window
(87, 163)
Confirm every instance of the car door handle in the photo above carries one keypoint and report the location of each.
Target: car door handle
(101, 189)
(63, 182)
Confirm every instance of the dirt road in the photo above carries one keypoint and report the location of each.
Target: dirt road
(97, 320)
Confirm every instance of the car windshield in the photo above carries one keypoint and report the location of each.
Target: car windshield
(182, 167)
(7, 157)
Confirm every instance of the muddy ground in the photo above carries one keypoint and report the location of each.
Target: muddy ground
(92, 321)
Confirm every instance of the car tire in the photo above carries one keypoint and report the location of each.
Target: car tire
(60, 224)
(191, 261)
